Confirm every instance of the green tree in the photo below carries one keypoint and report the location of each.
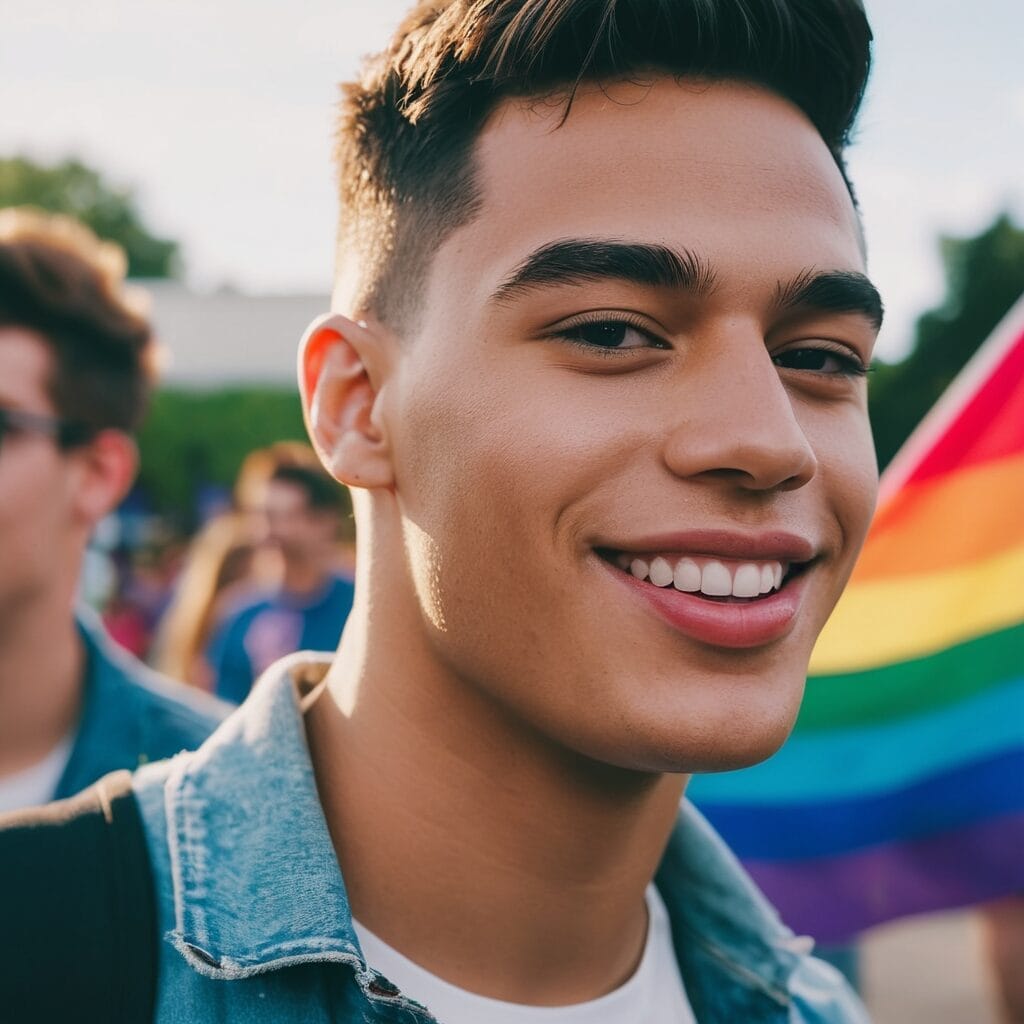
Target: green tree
(73, 188)
(984, 277)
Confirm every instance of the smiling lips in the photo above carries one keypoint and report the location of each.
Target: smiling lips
(724, 600)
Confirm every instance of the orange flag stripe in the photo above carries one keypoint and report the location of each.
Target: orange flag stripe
(947, 522)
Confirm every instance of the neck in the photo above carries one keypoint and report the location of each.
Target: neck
(443, 809)
(305, 575)
(41, 664)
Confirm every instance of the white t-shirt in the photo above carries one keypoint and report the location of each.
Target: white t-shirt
(36, 784)
(653, 995)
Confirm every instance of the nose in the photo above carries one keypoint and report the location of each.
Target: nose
(738, 423)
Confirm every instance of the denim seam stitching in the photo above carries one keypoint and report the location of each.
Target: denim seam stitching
(738, 970)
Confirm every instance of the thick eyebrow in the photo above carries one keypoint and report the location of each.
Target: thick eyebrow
(833, 291)
(579, 260)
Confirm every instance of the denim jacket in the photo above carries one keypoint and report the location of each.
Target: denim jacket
(130, 714)
(256, 922)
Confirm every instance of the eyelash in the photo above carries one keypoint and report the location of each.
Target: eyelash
(570, 333)
(850, 364)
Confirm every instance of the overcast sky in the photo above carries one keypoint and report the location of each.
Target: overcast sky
(219, 113)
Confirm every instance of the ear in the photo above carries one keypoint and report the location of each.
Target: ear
(341, 370)
(106, 468)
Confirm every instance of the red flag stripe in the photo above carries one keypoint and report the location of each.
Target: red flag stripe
(980, 418)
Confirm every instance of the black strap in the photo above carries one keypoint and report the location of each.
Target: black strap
(78, 931)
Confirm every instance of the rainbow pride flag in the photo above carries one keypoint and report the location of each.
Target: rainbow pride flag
(901, 789)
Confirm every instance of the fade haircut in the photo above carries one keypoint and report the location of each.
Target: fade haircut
(407, 126)
(58, 280)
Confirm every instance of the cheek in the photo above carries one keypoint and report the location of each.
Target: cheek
(490, 476)
(859, 482)
(509, 449)
(850, 474)
(35, 519)
(453, 464)
(458, 486)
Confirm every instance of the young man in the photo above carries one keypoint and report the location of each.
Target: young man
(298, 510)
(596, 376)
(74, 378)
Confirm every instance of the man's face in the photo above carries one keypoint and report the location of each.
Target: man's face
(38, 530)
(621, 386)
(296, 530)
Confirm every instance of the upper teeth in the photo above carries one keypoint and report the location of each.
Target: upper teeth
(707, 575)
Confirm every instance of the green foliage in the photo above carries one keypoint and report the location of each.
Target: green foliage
(192, 438)
(984, 277)
(72, 188)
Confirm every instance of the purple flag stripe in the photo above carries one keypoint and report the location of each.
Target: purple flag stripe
(834, 898)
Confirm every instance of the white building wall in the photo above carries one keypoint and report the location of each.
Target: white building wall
(210, 340)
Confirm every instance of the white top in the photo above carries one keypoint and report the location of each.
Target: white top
(36, 784)
(653, 995)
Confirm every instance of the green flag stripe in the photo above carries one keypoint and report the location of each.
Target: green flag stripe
(909, 687)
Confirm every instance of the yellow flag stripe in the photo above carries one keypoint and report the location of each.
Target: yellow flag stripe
(886, 621)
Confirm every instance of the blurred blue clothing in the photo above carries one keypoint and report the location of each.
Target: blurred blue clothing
(271, 626)
(130, 715)
(255, 919)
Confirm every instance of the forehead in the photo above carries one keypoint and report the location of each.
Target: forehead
(728, 170)
(26, 365)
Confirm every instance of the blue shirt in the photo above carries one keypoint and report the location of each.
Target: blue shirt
(256, 923)
(274, 625)
(130, 715)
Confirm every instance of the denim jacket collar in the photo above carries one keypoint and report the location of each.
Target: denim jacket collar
(244, 818)
(245, 821)
(130, 714)
(108, 734)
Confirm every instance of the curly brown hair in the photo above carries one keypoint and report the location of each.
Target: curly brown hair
(59, 281)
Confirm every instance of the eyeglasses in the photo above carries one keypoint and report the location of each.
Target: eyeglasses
(64, 432)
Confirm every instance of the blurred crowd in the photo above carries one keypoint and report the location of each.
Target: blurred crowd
(266, 570)
(268, 573)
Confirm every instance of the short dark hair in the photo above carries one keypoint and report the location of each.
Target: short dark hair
(322, 491)
(407, 126)
(58, 280)
(296, 463)
(263, 464)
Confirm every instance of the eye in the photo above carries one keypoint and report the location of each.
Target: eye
(823, 360)
(609, 334)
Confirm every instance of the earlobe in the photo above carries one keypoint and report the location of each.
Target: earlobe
(340, 375)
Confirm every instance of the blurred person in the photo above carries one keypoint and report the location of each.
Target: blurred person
(74, 380)
(130, 613)
(218, 571)
(596, 375)
(250, 490)
(125, 624)
(147, 583)
(249, 493)
(297, 507)
(258, 467)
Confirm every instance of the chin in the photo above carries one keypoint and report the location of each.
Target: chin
(736, 751)
(722, 735)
